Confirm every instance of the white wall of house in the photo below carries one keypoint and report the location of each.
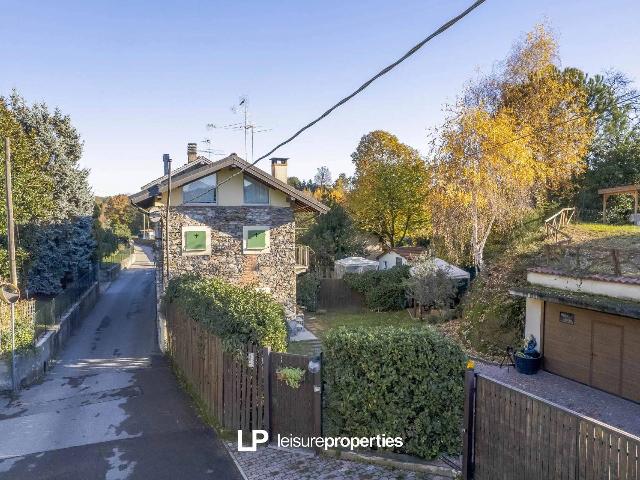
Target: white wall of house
(620, 290)
(533, 320)
(231, 193)
(389, 259)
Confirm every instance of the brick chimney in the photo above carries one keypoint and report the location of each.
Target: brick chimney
(192, 152)
(279, 168)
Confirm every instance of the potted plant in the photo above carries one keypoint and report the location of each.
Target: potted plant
(527, 359)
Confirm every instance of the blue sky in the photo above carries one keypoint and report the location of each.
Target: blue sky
(143, 78)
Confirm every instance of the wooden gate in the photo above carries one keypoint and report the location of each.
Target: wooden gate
(294, 411)
(511, 434)
(240, 389)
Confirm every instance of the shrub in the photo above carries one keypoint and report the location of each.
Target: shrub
(405, 382)
(382, 289)
(236, 314)
(307, 288)
(430, 286)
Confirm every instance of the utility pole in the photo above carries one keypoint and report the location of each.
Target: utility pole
(11, 244)
(166, 226)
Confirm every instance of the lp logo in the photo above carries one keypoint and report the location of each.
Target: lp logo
(264, 438)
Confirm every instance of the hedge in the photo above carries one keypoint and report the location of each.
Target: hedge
(406, 382)
(236, 314)
(382, 289)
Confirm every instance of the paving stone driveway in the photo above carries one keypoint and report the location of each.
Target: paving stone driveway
(286, 464)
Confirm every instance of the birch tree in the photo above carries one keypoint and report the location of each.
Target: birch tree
(513, 137)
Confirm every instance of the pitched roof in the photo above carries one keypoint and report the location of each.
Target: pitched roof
(184, 175)
(409, 253)
(178, 171)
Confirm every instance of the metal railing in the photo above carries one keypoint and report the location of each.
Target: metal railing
(116, 257)
(620, 262)
(34, 317)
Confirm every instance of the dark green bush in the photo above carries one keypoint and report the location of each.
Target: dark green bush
(405, 382)
(307, 288)
(236, 314)
(382, 289)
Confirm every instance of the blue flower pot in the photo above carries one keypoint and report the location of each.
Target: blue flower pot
(528, 365)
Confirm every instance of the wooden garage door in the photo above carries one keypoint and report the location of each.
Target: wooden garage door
(594, 348)
(606, 356)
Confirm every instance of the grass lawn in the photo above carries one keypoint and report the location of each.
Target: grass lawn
(320, 323)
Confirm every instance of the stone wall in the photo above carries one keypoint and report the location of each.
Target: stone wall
(274, 270)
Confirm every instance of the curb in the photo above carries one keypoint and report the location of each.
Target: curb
(242, 474)
(387, 462)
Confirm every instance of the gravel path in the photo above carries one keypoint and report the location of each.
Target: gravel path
(292, 464)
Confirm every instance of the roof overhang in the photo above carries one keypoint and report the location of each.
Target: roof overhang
(598, 303)
(145, 198)
(619, 190)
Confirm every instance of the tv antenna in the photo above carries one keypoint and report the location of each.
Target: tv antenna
(245, 126)
(208, 149)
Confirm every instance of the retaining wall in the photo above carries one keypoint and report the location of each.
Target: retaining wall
(30, 366)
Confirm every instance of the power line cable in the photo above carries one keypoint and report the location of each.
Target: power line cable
(443, 28)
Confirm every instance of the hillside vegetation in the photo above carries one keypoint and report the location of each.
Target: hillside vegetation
(491, 318)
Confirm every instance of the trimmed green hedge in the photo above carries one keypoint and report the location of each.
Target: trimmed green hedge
(406, 382)
(382, 289)
(236, 314)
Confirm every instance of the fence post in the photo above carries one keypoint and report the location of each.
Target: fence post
(266, 358)
(317, 402)
(467, 430)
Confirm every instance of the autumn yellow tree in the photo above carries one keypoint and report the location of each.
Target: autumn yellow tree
(390, 188)
(513, 137)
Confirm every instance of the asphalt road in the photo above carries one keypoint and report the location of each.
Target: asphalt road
(110, 408)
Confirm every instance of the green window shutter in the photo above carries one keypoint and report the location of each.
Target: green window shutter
(195, 240)
(256, 239)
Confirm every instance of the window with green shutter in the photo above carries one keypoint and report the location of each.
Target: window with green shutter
(256, 239)
(195, 240)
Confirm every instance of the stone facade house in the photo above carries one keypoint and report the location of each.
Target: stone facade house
(231, 220)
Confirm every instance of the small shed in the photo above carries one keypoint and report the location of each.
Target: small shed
(399, 256)
(452, 271)
(354, 265)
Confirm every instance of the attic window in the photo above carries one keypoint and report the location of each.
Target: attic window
(202, 190)
(255, 193)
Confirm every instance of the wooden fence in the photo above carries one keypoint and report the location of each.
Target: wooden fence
(335, 294)
(240, 389)
(554, 224)
(512, 434)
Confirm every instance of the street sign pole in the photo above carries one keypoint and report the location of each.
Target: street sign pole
(11, 244)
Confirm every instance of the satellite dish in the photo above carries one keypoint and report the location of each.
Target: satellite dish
(155, 214)
(9, 293)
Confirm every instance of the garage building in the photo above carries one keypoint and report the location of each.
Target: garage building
(587, 328)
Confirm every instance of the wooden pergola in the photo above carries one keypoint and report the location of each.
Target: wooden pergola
(621, 190)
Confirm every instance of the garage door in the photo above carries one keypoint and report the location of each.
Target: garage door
(594, 348)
